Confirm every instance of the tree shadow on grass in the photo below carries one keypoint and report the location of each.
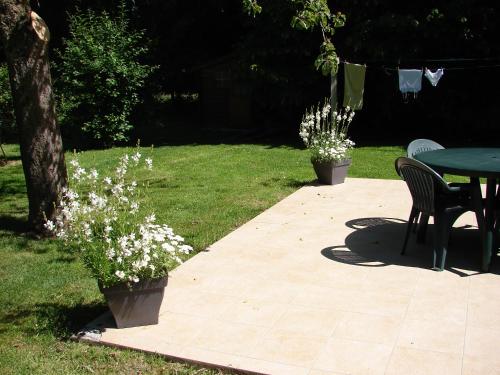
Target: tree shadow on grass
(13, 224)
(60, 320)
(377, 242)
(297, 184)
(288, 182)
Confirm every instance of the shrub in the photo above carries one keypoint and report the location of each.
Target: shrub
(7, 119)
(100, 76)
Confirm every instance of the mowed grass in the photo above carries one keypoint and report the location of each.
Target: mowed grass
(202, 191)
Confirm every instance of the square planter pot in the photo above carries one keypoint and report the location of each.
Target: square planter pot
(331, 173)
(137, 306)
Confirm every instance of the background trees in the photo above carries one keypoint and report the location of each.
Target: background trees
(277, 61)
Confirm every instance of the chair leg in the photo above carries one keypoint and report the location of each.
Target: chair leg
(413, 214)
(415, 222)
(422, 228)
(441, 235)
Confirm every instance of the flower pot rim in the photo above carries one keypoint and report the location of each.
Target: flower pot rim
(125, 287)
(342, 162)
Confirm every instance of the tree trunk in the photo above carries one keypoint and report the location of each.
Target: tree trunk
(25, 39)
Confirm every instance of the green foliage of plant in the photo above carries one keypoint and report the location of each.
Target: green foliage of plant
(7, 119)
(101, 75)
(252, 7)
(316, 13)
(311, 14)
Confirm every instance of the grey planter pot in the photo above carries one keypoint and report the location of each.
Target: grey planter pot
(138, 306)
(331, 173)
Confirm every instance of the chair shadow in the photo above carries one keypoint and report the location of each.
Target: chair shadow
(377, 242)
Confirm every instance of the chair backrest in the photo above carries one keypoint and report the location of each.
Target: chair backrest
(421, 145)
(423, 182)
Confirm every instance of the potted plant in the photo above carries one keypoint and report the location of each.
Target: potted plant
(325, 134)
(128, 253)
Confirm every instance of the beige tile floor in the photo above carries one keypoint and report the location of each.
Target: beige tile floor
(315, 285)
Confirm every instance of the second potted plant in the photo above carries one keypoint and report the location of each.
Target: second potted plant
(325, 134)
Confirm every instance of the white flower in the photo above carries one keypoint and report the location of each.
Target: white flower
(325, 111)
(149, 163)
(120, 274)
(167, 247)
(86, 229)
(132, 186)
(110, 253)
(186, 249)
(108, 181)
(117, 189)
(96, 200)
(134, 207)
(79, 173)
(136, 157)
(49, 225)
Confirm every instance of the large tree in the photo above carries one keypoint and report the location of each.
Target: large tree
(25, 38)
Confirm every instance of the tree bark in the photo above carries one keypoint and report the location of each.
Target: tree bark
(25, 39)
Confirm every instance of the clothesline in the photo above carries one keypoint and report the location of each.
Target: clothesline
(451, 59)
(410, 77)
(385, 64)
(449, 68)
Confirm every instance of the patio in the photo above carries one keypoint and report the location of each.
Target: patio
(315, 285)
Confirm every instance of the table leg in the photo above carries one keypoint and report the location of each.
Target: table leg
(489, 215)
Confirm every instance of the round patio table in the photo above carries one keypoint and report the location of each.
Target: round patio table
(474, 163)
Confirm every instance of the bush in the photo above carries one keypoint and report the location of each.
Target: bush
(100, 76)
(7, 119)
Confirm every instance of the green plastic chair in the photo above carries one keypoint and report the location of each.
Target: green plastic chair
(416, 147)
(432, 196)
(421, 145)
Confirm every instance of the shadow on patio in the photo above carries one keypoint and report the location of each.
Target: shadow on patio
(377, 242)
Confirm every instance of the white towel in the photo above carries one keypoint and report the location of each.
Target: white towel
(410, 80)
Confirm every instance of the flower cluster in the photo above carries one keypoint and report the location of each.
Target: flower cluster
(98, 218)
(325, 133)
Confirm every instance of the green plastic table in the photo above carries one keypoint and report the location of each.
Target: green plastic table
(474, 163)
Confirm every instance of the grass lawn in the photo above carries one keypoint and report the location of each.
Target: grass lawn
(202, 191)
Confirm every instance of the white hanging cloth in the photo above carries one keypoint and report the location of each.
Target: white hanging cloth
(410, 81)
(434, 77)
